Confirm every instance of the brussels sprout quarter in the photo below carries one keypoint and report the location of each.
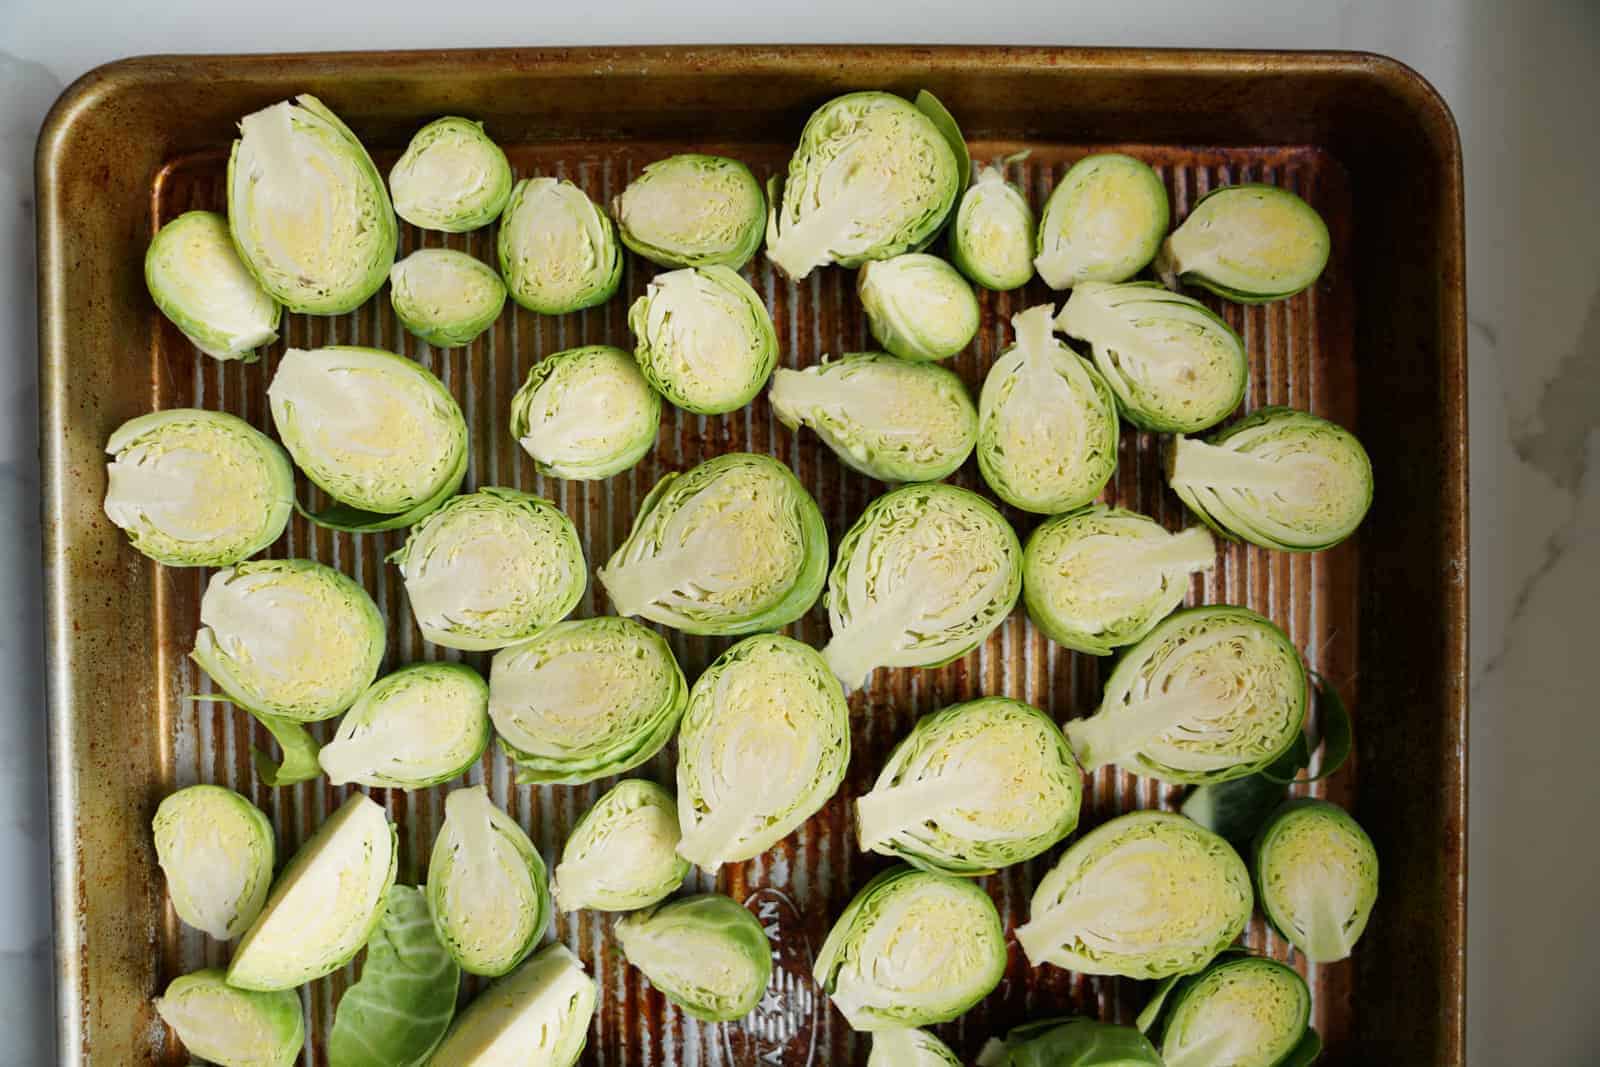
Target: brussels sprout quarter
(1070, 1042)
(538, 1015)
(422, 725)
(233, 1027)
(1317, 873)
(1241, 1011)
(216, 850)
(992, 239)
(1250, 243)
(196, 278)
(910, 1048)
(452, 177)
(1103, 222)
(692, 211)
(558, 252)
(195, 488)
(707, 954)
(918, 306)
(622, 854)
(446, 298)
(704, 339)
(586, 413)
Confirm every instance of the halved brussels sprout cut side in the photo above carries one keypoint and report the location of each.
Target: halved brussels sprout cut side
(919, 307)
(874, 175)
(912, 949)
(447, 298)
(216, 850)
(973, 788)
(704, 339)
(693, 210)
(422, 725)
(289, 638)
(622, 854)
(910, 1048)
(539, 1015)
(1211, 694)
(1249, 243)
(1101, 578)
(729, 547)
(707, 954)
(992, 239)
(1070, 1043)
(1174, 365)
(1279, 478)
(195, 488)
(452, 177)
(584, 699)
(324, 905)
(308, 211)
(233, 1027)
(558, 251)
(586, 413)
(1047, 422)
(888, 418)
(1241, 1010)
(924, 576)
(1146, 895)
(1103, 222)
(196, 278)
(1317, 873)
(765, 742)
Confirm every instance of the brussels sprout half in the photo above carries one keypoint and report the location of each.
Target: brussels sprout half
(487, 887)
(1317, 873)
(325, 904)
(918, 306)
(1146, 895)
(924, 576)
(910, 1048)
(233, 1027)
(538, 1015)
(692, 210)
(1249, 243)
(992, 239)
(1174, 365)
(585, 699)
(973, 788)
(196, 278)
(452, 177)
(704, 339)
(492, 568)
(1211, 694)
(422, 725)
(217, 851)
(1103, 577)
(195, 488)
(307, 209)
(1103, 222)
(1241, 1011)
(1070, 1043)
(558, 251)
(874, 175)
(622, 854)
(888, 418)
(707, 954)
(765, 742)
(912, 948)
(376, 431)
(732, 546)
(1279, 478)
(289, 638)
(447, 298)
(586, 413)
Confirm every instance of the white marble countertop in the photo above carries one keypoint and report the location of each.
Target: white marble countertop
(1522, 80)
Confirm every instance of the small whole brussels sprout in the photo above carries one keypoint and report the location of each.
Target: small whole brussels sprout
(540, 1014)
(1241, 1011)
(910, 1048)
(1248, 243)
(622, 854)
(233, 1027)
(874, 175)
(765, 743)
(705, 339)
(707, 954)
(585, 699)
(558, 251)
(924, 576)
(1098, 579)
(731, 546)
(422, 725)
(586, 413)
(492, 568)
(1279, 478)
(913, 948)
(888, 418)
(1146, 895)
(918, 306)
(289, 638)
(692, 210)
(1317, 873)
(195, 488)
(1047, 422)
(1070, 1043)
(486, 885)
(1103, 222)
(196, 278)
(216, 850)
(308, 212)
(446, 298)
(452, 177)
(992, 239)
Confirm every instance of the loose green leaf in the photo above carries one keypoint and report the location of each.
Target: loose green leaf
(300, 750)
(402, 1004)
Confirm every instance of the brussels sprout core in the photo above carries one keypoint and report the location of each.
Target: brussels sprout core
(622, 854)
(452, 177)
(422, 725)
(918, 306)
(558, 252)
(1249, 243)
(993, 235)
(586, 413)
(538, 1015)
(216, 849)
(1317, 873)
(692, 211)
(1102, 223)
(446, 298)
(198, 281)
(233, 1027)
(705, 339)
(707, 954)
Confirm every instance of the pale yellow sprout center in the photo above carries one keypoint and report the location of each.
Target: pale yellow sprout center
(188, 488)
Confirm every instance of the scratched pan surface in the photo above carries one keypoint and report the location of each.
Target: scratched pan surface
(1374, 346)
